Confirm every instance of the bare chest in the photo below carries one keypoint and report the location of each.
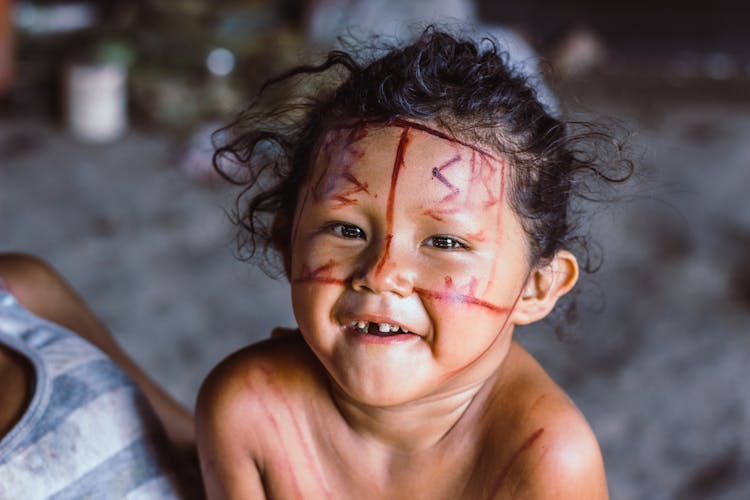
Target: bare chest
(325, 470)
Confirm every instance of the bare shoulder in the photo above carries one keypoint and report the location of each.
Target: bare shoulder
(555, 454)
(253, 380)
(244, 411)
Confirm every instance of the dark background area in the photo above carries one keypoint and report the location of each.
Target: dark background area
(638, 28)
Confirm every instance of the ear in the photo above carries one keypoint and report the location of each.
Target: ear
(545, 285)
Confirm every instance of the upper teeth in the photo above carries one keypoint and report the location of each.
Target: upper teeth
(382, 327)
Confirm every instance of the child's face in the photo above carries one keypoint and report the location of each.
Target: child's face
(399, 225)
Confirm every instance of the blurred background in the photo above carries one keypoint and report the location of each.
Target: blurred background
(106, 110)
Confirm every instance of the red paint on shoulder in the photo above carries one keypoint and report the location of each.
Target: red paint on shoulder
(504, 472)
(536, 403)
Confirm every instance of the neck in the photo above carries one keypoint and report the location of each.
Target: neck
(413, 427)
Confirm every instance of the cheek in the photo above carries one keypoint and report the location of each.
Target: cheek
(465, 333)
(313, 304)
(465, 313)
(469, 308)
(469, 283)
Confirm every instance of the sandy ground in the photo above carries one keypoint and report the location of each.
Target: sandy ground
(661, 371)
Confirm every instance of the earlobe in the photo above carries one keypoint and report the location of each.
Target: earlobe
(544, 286)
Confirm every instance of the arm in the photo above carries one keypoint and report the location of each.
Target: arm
(41, 290)
(224, 431)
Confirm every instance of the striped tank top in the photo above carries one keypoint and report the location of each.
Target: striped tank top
(88, 432)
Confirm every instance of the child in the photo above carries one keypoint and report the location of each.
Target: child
(421, 213)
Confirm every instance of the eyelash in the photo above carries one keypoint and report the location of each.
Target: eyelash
(440, 242)
(446, 243)
(348, 231)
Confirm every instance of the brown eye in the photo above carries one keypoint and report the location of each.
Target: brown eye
(442, 242)
(349, 231)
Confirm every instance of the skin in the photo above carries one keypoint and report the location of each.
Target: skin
(41, 290)
(402, 225)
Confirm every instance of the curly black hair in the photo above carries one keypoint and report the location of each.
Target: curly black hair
(463, 87)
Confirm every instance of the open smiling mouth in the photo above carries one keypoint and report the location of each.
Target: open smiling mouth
(379, 329)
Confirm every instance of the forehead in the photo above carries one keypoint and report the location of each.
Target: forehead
(377, 152)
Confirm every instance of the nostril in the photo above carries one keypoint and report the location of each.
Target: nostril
(384, 269)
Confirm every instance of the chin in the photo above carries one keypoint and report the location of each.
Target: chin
(387, 393)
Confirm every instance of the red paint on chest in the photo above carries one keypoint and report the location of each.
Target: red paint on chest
(286, 465)
(302, 440)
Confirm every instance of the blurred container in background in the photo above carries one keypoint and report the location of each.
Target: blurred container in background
(96, 101)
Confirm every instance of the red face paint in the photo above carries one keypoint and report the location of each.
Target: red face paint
(439, 214)
(437, 173)
(398, 162)
(320, 274)
(459, 298)
(338, 160)
(406, 187)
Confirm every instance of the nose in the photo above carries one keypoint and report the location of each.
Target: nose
(386, 269)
